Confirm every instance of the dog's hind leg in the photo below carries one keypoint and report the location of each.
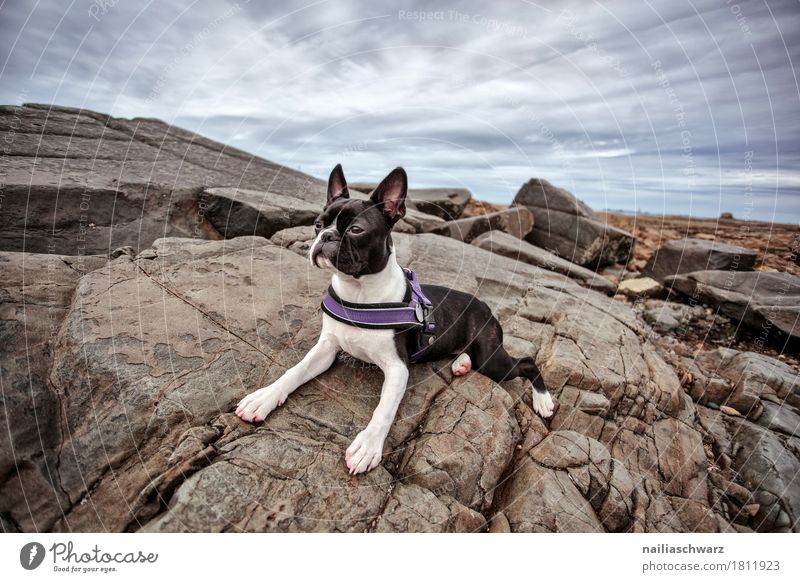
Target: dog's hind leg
(461, 365)
(540, 398)
(490, 358)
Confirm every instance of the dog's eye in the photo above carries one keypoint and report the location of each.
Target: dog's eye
(318, 225)
(356, 229)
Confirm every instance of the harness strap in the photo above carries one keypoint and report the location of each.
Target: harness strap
(413, 312)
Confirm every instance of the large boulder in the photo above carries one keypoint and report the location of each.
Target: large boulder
(517, 222)
(512, 247)
(694, 254)
(764, 464)
(753, 435)
(417, 221)
(240, 212)
(35, 296)
(569, 228)
(446, 203)
(152, 353)
(761, 300)
(751, 380)
(84, 182)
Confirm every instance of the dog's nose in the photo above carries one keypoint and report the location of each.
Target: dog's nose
(328, 235)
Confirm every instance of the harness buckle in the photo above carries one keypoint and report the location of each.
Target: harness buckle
(423, 313)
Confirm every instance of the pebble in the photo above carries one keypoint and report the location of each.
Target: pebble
(783, 520)
(766, 498)
(751, 509)
(729, 411)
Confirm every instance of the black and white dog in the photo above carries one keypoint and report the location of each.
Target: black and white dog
(353, 241)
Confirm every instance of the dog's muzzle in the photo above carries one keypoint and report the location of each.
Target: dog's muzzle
(327, 235)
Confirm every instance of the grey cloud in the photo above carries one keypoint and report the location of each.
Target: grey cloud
(474, 94)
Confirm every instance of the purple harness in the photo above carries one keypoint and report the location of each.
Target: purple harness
(414, 312)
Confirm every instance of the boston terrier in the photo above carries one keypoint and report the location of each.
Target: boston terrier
(354, 242)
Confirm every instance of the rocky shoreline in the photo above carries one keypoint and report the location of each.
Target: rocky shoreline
(152, 277)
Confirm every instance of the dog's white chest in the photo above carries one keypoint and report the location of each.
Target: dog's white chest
(375, 346)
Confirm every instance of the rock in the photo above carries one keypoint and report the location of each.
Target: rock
(119, 182)
(499, 524)
(751, 509)
(733, 490)
(239, 212)
(744, 381)
(667, 315)
(477, 207)
(760, 300)
(35, 295)
(569, 228)
(163, 452)
(420, 221)
(541, 193)
(681, 459)
(283, 212)
(780, 418)
(512, 247)
(726, 216)
(760, 462)
(729, 411)
(467, 436)
(269, 473)
(415, 509)
(640, 287)
(122, 251)
(404, 227)
(514, 221)
(614, 273)
(562, 485)
(538, 499)
(446, 203)
(764, 465)
(585, 401)
(757, 377)
(617, 510)
(712, 392)
(693, 254)
(297, 238)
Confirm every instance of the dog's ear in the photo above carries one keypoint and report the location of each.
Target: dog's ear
(390, 194)
(337, 185)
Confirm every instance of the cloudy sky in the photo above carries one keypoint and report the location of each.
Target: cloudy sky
(683, 106)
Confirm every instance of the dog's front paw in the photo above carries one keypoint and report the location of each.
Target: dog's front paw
(257, 405)
(543, 404)
(366, 451)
